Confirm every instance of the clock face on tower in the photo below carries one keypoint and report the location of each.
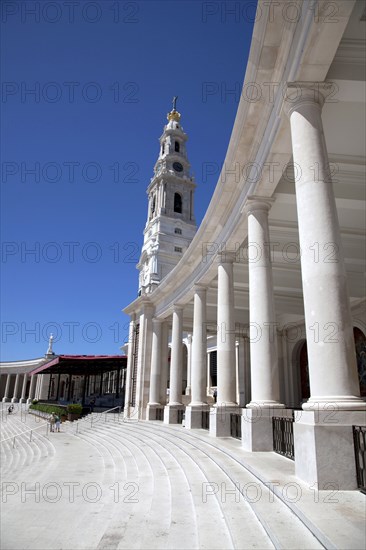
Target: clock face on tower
(177, 167)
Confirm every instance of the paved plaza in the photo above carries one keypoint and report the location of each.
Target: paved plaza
(106, 483)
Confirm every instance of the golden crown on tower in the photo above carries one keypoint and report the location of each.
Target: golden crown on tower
(174, 115)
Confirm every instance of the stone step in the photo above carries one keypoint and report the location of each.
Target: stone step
(168, 470)
(284, 529)
(210, 531)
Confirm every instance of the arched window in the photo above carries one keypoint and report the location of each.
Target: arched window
(162, 149)
(176, 146)
(177, 203)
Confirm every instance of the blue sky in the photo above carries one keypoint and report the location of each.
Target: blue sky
(78, 152)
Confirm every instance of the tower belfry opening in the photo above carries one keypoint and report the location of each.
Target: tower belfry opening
(170, 225)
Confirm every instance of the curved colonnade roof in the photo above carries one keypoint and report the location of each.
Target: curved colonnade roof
(281, 52)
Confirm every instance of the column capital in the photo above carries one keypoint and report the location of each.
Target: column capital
(147, 307)
(199, 288)
(177, 308)
(157, 321)
(298, 94)
(255, 202)
(227, 257)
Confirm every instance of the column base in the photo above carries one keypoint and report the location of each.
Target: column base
(172, 414)
(193, 417)
(14, 400)
(132, 414)
(6, 400)
(220, 420)
(154, 411)
(256, 427)
(335, 403)
(29, 401)
(265, 404)
(22, 400)
(324, 448)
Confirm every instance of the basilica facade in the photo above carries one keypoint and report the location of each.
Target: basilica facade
(255, 322)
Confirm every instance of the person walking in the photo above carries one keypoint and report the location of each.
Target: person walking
(52, 422)
(57, 423)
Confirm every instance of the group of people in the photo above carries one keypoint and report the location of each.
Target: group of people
(10, 409)
(55, 422)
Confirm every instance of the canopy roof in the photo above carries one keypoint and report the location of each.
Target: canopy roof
(81, 364)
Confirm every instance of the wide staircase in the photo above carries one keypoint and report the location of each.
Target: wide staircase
(105, 483)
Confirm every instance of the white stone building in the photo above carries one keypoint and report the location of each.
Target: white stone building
(271, 290)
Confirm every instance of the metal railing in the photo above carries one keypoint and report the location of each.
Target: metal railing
(30, 430)
(359, 438)
(235, 425)
(94, 420)
(283, 436)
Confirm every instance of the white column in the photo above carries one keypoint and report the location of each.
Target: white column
(226, 371)
(199, 361)
(189, 364)
(263, 338)
(164, 362)
(16, 386)
(330, 343)
(265, 388)
(144, 360)
(38, 386)
(7, 389)
(208, 389)
(154, 395)
(175, 396)
(226, 365)
(199, 348)
(32, 388)
(130, 362)
(24, 388)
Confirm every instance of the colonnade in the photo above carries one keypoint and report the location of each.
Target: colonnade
(332, 364)
(20, 388)
(23, 388)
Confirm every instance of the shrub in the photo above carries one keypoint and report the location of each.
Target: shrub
(35, 401)
(74, 408)
(43, 407)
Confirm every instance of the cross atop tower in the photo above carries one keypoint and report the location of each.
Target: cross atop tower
(175, 102)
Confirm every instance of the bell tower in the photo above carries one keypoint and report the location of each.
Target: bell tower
(170, 225)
